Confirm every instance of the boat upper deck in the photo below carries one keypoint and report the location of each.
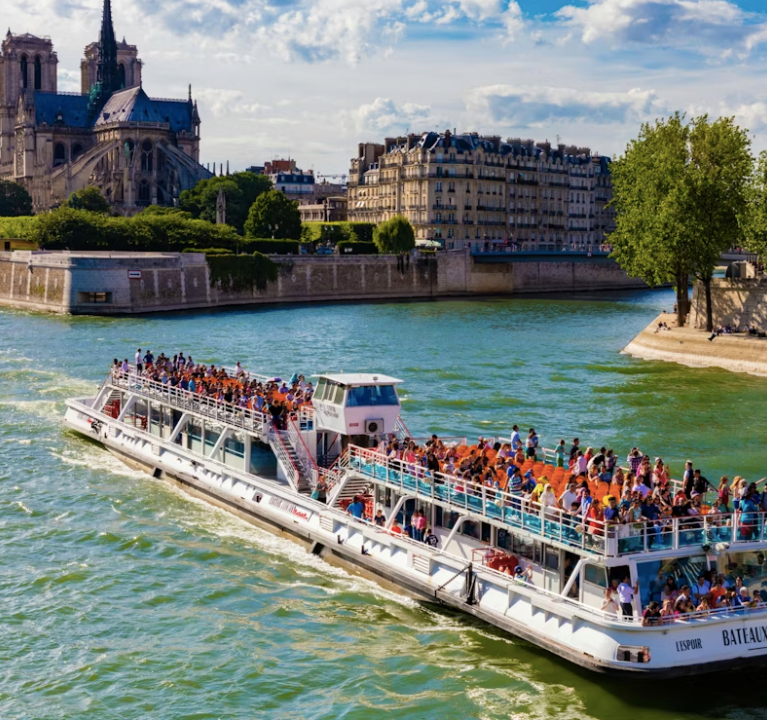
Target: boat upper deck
(670, 535)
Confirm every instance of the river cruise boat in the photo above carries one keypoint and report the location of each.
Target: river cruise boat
(297, 476)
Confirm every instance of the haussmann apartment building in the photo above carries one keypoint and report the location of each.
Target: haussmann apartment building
(472, 190)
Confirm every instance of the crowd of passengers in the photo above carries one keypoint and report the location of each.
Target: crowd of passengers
(669, 601)
(276, 398)
(597, 491)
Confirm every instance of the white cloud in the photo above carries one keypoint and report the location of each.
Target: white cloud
(522, 106)
(711, 27)
(384, 116)
(222, 102)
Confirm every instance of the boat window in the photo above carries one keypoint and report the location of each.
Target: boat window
(372, 396)
(319, 391)
(339, 398)
(596, 575)
(685, 571)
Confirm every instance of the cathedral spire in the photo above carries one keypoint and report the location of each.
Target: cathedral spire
(107, 66)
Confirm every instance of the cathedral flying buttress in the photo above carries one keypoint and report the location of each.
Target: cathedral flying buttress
(137, 150)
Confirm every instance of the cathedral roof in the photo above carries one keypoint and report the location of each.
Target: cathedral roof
(134, 106)
(55, 109)
(131, 105)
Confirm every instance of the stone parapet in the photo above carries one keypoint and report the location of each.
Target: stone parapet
(125, 283)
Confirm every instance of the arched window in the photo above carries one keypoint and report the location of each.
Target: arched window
(144, 194)
(24, 72)
(38, 73)
(129, 151)
(121, 75)
(147, 156)
(76, 150)
(59, 154)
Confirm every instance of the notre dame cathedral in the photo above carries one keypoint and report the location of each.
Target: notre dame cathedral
(138, 150)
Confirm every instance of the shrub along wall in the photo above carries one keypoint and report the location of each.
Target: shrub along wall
(17, 227)
(335, 232)
(79, 230)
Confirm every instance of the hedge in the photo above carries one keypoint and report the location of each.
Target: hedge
(79, 230)
(267, 246)
(346, 247)
(17, 228)
(335, 232)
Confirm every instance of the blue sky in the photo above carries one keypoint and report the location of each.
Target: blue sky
(312, 78)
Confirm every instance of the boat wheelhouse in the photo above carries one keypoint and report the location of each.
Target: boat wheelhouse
(269, 472)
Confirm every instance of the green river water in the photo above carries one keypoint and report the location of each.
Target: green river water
(123, 598)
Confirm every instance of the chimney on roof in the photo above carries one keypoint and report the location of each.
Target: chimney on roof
(448, 136)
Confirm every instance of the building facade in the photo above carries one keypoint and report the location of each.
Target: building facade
(329, 209)
(469, 189)
(137, 150)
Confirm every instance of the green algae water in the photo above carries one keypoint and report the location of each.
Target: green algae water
(123, 598)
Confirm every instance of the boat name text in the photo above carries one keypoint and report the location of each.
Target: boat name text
(745, 636)
(685, 645)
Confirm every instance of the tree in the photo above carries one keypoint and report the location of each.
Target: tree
(274, 216)
(15, 201)
(754, 219)
(716, 196)
(240, 190)
(678, 192)
(155, 210)
(395, 236)
(89, 199)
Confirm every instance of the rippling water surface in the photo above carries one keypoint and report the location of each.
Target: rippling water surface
(123, 598)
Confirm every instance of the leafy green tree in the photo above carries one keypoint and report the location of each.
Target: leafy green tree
(89, 199)
(678, 192)
(240, 190)
(274, 216)
(15, 201)
(754, 219)
(395, 236)
(716, 196)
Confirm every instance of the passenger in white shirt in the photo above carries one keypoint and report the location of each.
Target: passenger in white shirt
(568, 497)
(626, 597)
(702, 589)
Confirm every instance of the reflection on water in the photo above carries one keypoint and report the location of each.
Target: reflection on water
(125, 598)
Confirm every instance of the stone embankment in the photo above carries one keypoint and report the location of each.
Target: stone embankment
(692, 347)
(124, 283)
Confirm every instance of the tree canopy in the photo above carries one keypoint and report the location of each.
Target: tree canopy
(89, 199)
(679, 191)
(240, 190)
(15, 201)
(274, 216)
(395, 236)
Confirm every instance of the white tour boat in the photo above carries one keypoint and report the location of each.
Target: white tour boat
(236, 459)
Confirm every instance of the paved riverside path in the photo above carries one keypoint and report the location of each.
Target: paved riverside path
(688, 346)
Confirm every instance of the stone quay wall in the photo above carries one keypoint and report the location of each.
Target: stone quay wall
(692, 347)
(733, 302)
(125, 283)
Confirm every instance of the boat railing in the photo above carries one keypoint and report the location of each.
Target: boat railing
(233, 372)
(280, 447)
(553, 524)
(220, 411)
(487, 503)
(306, 462)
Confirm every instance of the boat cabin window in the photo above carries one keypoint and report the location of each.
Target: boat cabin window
(596, 575)
(339, 397)
(371, 396)
(319, 391)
